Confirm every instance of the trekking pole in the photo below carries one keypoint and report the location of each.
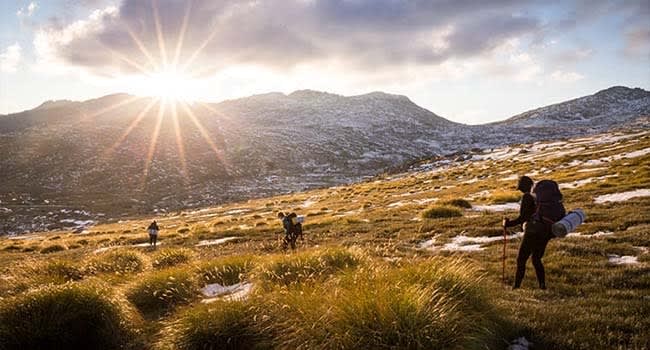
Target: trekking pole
(505, 239)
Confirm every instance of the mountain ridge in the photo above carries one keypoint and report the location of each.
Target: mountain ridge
(121, 155)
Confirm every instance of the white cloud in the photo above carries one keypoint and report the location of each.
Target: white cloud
(48, 41)
(566, 77)
(27, 11)
(366, 35)
(10, 58)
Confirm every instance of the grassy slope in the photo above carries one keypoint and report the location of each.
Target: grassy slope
(590, 303)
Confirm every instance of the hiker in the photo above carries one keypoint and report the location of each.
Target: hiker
(537, 232)
(153, 233)
(292, 229)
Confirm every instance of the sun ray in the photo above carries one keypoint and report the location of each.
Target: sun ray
(130, 62)
(179, 143)
(141, 46)
(130, 128)
(206, 136)
(152, 143)
(181, 35)
(159, 33)
(199, 49)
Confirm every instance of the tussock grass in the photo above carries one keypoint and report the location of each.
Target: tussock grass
(171, 257)
(161, 291)
(118, 262)
(221, 325)
(307, 266)
(69, 316)
(438, 304)
(64, 270)
(459, 202)
(52, 249)
(437, 212)
(226, 271)
(502, 197)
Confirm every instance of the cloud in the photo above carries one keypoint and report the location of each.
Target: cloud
(27, 11)
(566, 77)
(637, 42)
(10, 58)
(209, 36)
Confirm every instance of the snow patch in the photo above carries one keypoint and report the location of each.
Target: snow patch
(496, 207)
(209, 242)
(593, 235)
(622, 196)
(237, 291)
(622, 260)
(465, 243)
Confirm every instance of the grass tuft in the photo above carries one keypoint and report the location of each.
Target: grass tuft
(119, 262)
(171, 257)
(221, 325)
(226, 271)
(437, 212)
(307, 266)
(69, 316)
(460, 203)
(161, 291)
(52, 249)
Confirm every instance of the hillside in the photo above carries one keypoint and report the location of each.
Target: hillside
(118, 156)
(373, 271)
(607, 108)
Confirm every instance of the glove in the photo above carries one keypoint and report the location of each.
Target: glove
(506, 222)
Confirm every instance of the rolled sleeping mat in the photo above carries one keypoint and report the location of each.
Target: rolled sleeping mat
(568, 223)
(300, 219)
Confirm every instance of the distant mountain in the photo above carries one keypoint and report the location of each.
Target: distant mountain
(67, 163)
(610, 107)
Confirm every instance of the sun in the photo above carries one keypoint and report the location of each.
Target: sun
(168, 84)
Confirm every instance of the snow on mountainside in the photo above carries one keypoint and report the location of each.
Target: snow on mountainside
(120, 155)
(606, 108)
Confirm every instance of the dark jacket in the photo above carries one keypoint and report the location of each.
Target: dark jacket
(153, 226)
(526, 210)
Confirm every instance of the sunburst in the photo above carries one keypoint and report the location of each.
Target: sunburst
(169, 81)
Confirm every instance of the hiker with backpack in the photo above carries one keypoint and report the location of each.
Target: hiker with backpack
(292, 225)
(153, 233)
(537, 213)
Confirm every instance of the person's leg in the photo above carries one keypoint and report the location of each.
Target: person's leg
(285, 242)
(522, 257)
(155, 239)
(538, 252)
(293, 241)
(150, 239)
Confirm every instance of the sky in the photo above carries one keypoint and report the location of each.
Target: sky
(468, 61)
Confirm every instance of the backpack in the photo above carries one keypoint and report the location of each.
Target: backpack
(287, 223)
(548, 200)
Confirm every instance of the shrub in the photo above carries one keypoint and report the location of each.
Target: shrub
(69, 316)
(226, 271)
(171, 257)
(52, 249)
(307, 266)
(221, 325)
(460, 203)
(441, 212)
(120, 261)
(163, 290)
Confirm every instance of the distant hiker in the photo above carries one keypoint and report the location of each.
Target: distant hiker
(537, 214)
(153, 233)
(292, 225)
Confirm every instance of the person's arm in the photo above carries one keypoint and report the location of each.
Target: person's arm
(526, 211)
